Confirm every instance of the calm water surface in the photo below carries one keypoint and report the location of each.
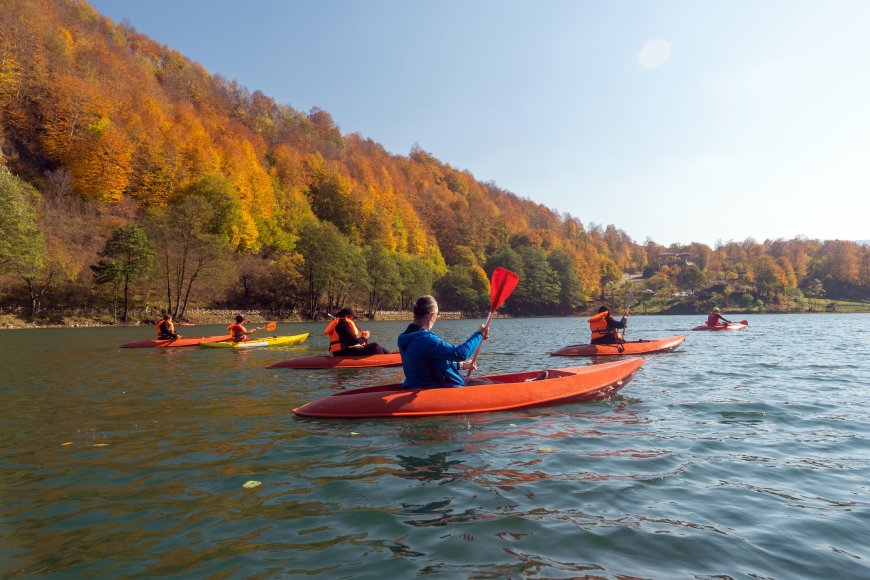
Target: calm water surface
(743, 454)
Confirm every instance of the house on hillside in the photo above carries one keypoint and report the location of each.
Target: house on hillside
(668, 258)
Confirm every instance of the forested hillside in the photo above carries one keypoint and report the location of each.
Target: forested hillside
(131, 176)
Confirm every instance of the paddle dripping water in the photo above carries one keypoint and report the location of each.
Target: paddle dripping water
(740, 454)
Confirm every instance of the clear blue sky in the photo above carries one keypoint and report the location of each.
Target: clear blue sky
(678, 121)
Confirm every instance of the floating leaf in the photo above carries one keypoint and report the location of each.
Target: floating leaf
(101, 444)
(252, 483)
(67, 443)
(354, 433)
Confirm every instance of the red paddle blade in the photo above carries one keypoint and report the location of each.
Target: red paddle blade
(744, 322)
(503, 283)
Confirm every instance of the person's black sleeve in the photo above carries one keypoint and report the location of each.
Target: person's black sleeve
(612, 323)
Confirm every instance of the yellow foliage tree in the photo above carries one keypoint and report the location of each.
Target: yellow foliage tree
(101, 163)
(243, 169)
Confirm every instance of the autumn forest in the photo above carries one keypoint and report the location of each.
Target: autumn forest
(132, 180)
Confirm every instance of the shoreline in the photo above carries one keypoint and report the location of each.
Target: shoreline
(195, 318)
(218, 317)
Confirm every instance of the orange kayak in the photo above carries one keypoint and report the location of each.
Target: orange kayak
(563, 386)
(626, 348)
(733, 326)
(174, 343)
(339, 362)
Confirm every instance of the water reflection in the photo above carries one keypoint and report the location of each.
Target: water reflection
(400, 549)
(446, 517)
(434, 467)
(527, 566)
(329, 381)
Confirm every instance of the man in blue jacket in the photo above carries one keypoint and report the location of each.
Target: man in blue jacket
(428, 361)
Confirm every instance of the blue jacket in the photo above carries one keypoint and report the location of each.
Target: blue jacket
(430, 362)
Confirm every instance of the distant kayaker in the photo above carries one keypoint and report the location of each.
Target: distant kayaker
(166, 329)
(345, 339)
(604, 327)
(714, 317)
(238, 331)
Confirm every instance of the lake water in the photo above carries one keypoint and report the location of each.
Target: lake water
(742, 454)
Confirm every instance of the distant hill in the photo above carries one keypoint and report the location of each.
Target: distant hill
(103, 110)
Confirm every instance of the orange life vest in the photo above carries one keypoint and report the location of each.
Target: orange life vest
(598, 324)
(334, 341)
(238, 331)
(171, 328)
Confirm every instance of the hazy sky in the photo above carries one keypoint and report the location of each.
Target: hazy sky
(675, 121)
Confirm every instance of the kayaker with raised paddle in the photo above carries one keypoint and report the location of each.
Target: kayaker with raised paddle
(713, 319)
(166, 329)
(604, 327)
(428, 361)
(345, 339)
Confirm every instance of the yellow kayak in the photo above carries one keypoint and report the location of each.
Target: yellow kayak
(266, 341)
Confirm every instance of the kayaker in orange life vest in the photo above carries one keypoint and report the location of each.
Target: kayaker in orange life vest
(345, 339)
(166, 329)
(238, 331)
(604, 326)
(714, 317)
